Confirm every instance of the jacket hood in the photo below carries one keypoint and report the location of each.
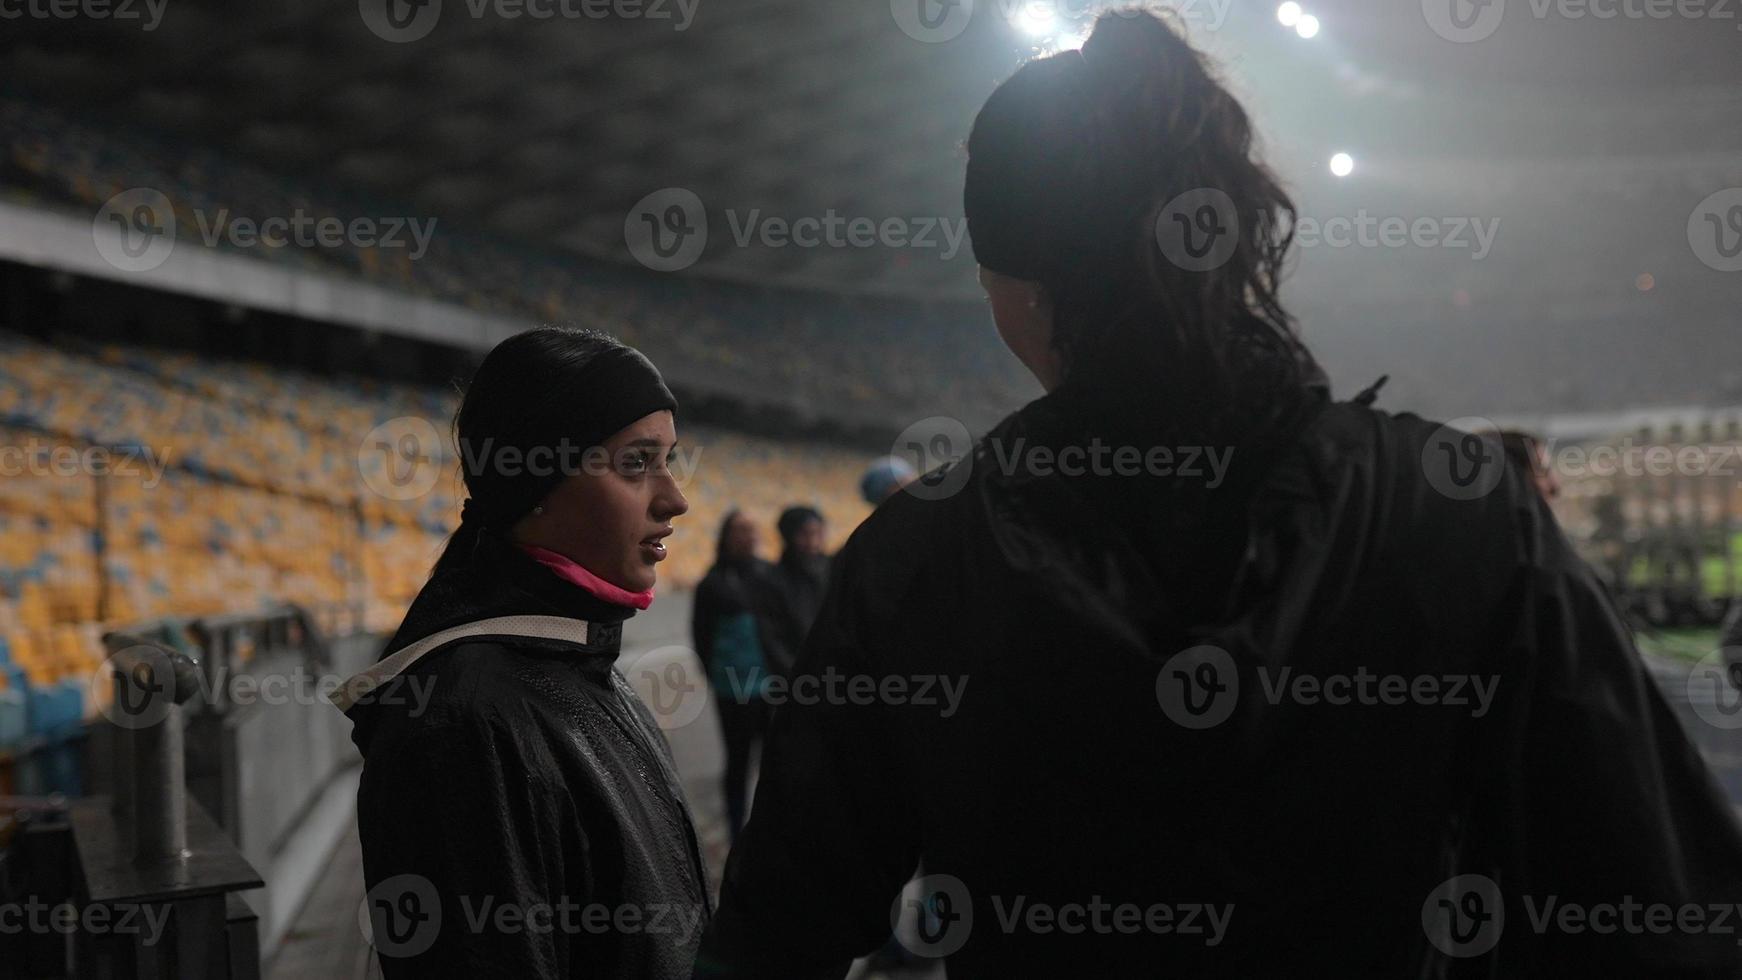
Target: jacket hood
(502, 581)
(1164, 531)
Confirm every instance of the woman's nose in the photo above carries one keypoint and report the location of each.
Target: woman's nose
(670, 503)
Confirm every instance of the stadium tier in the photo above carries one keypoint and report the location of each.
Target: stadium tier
(143, 484)
(858, 362)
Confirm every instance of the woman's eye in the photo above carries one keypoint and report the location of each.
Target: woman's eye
(636, 463)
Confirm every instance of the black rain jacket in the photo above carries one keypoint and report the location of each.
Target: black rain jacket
(519, 811)
(1069, 824)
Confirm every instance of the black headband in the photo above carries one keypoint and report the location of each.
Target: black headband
(1030, 204)
(613, 389)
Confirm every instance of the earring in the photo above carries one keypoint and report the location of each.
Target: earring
(538, 510)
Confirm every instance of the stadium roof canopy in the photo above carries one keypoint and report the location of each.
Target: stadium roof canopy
(1597, 125)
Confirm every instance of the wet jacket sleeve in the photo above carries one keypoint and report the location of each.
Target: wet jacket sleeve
(832, 836)
(1609, 808)
(468, 854)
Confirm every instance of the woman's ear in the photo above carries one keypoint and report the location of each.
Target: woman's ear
(1022, 310)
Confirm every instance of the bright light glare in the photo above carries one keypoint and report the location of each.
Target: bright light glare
(1288, 13)
(1070, 41)
(1307, 26)
(1342, 164)
(1037, 18)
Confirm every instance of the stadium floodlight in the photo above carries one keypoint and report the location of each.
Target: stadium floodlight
(1342, 164)
(1037, 17)
(1289, 13)
(1070, 40)
(1307, 27)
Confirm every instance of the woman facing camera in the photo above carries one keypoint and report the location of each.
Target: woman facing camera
(1248, 682)
(519, 813)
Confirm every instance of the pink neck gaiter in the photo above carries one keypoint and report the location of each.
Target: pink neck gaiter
(569, 571)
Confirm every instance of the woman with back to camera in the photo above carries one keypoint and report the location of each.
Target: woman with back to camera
(1178, 746)
(517, 800)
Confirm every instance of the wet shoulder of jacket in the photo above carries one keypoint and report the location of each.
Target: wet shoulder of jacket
(1436, 504)
(475, 688)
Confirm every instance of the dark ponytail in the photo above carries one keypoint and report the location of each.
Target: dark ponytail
(547, 388)
(1073, 161)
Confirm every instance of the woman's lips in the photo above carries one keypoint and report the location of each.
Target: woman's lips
(654, 546)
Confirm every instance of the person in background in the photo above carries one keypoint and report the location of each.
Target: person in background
(796, 584)
(1526, 452)
(728, 625)
(885, 478)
